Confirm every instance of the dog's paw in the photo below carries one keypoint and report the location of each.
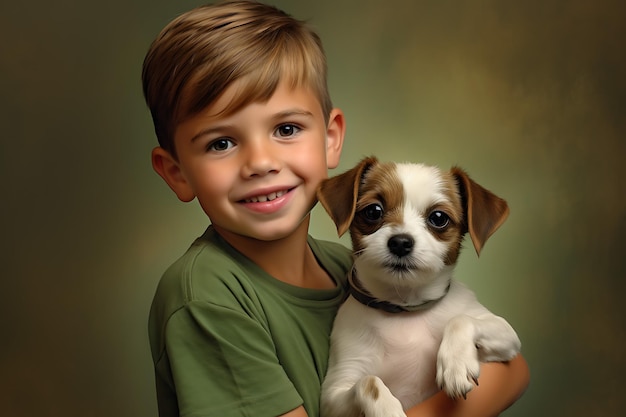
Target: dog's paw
(458, 369)
(375, 399)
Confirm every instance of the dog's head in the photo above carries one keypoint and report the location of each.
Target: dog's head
(407, 223)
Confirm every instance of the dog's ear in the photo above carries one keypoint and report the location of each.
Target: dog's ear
(484, 211)
(339, 194)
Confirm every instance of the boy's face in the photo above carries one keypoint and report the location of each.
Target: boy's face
(255, 172)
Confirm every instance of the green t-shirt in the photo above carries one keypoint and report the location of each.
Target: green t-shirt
(228, 339)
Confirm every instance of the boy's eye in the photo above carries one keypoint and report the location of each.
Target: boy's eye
(220, 145)
(286, 130)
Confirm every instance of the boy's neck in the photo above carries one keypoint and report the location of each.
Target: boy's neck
(289, 259)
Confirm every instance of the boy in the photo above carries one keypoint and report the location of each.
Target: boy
(240, 323)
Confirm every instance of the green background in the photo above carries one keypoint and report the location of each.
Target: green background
(528, 96)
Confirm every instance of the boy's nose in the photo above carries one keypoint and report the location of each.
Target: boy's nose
(260, 160)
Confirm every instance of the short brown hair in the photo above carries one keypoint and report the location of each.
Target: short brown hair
(198, 55)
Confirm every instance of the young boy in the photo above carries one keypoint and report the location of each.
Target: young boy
(240, 324)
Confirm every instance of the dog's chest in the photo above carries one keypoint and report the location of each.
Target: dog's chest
(406, 352)
(408, 366)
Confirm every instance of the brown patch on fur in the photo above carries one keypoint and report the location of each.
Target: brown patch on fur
(371, 389)
(454, 209)
(380, 185)
(346, 195)
(451, 235)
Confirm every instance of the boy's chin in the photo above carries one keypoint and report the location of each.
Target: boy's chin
(267, 233)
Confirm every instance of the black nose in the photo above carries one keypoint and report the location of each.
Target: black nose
(401, 245)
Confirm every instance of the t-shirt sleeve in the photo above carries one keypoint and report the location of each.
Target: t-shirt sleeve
(224, 363)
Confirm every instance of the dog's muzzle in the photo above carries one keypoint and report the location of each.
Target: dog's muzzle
(401, 245)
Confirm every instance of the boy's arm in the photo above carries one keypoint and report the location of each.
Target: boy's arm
(218, 358)
(298, 412)
(501, 384)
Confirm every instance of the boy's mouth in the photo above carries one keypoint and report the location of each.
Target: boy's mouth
(268, 197)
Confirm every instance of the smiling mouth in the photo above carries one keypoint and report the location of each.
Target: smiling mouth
(265, 198)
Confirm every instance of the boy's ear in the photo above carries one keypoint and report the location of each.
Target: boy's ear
(168, 168)
(335, 133)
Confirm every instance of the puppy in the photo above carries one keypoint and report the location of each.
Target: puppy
(408, 328)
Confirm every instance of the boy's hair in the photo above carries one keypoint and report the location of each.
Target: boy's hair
(197, 56)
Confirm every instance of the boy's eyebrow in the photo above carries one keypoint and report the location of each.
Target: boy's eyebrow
(292, 112)
(208, 131)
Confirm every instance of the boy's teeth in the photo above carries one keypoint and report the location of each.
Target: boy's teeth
(264, 198)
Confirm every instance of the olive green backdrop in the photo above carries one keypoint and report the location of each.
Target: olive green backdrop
(528, 96)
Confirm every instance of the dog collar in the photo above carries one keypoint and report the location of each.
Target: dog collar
(365, 298)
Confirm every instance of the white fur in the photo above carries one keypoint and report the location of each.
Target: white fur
(383, 363)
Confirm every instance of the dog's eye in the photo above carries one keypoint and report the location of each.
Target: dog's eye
(438, 219)
(373, 212)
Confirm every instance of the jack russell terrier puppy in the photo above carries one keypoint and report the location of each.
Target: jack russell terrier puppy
(408, 328)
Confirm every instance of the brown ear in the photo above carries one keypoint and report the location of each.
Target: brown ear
(484, 211)
(339, 194)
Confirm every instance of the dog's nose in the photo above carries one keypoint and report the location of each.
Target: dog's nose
(401, 245)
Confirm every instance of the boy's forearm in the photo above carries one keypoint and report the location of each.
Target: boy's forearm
(297, 412)
(501, 384)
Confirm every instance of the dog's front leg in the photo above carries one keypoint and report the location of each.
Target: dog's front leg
(351, 387)
(375, 399)
(466, 342)
(368, 397)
